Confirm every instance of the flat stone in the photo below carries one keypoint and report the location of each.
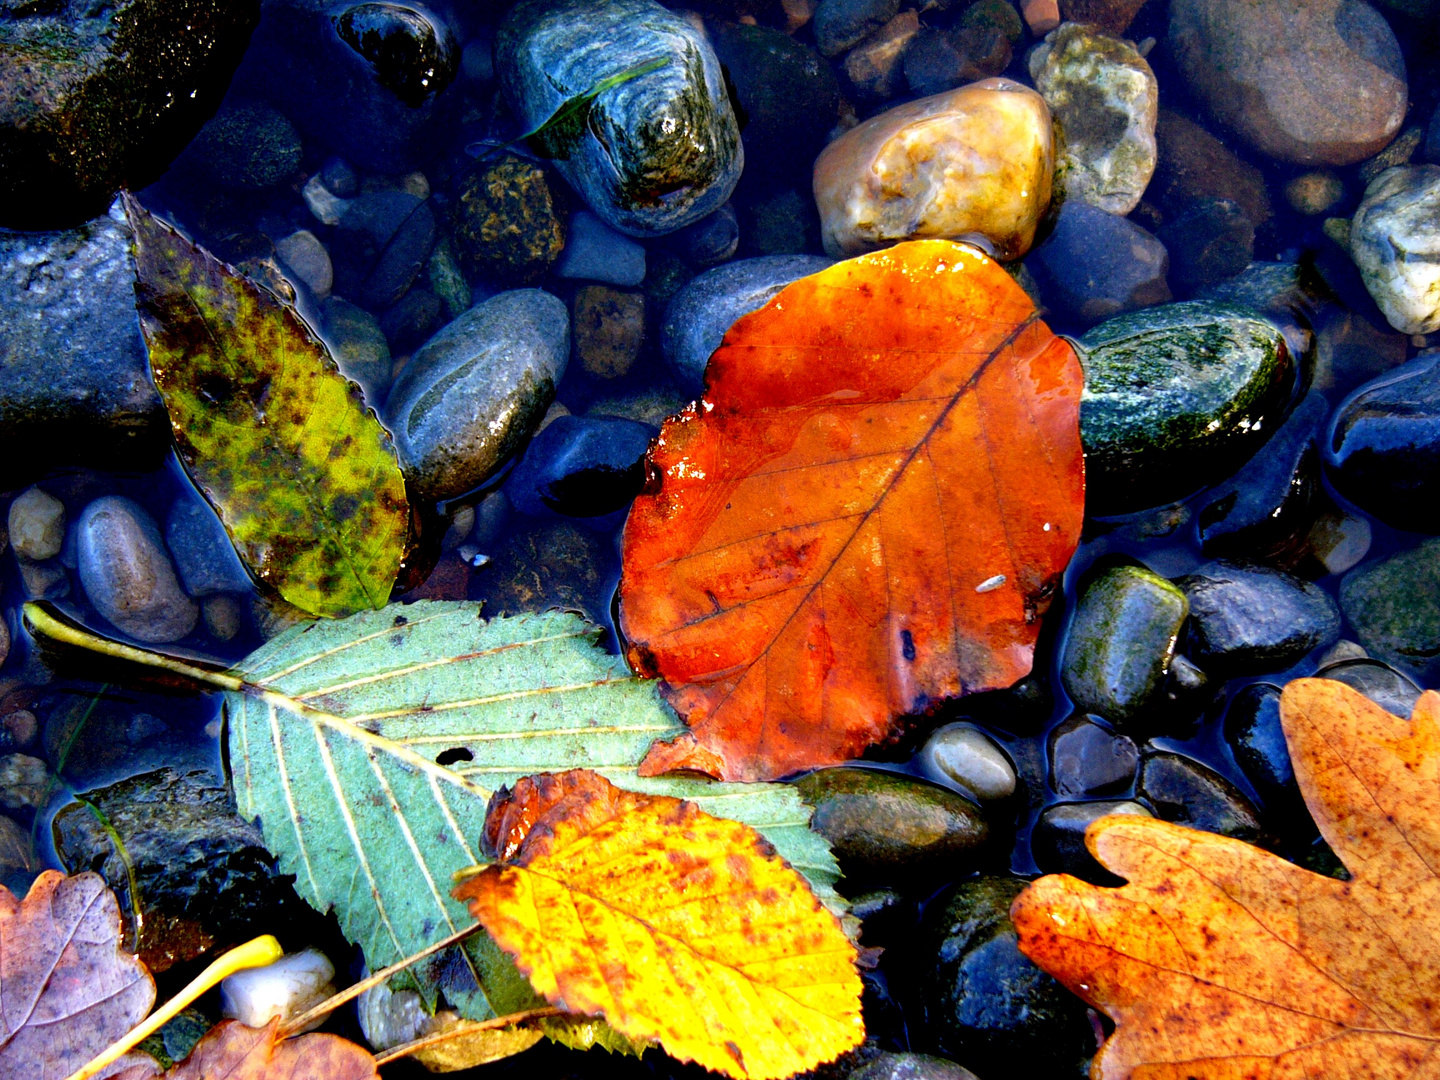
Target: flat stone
(874, 67)
(204, 556)
(1314, 82)
(1104, 99)
(358, 345)
(839, 24)
(1395, 241)
(701, 312)
(470, 395)
(1253, 619)
(1393, 606)
(127, 574)
(974, 161)
(1096, 264)
(596, 252)
(1121, 643)
(609, 328)
(381, 245)
(306, 256)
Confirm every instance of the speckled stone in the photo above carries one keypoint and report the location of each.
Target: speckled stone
(1395, 241)
(127, 573)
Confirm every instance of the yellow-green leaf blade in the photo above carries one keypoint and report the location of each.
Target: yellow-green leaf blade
(302, 474)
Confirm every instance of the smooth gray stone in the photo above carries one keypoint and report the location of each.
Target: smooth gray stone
(127, 574)
(701, 312)
(471, 394)
(204, 556)
(74, 381)
(596, 252)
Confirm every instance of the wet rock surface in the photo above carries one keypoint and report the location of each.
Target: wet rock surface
(1097, 264)
(127, 573)
(1254, 619)
(1393, 604)
(1396, 244)
(581, 467)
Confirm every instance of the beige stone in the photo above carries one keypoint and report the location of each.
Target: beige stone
(971, 162)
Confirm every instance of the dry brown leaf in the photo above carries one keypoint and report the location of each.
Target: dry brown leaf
(674, 925)
(232, 1051)
(1220, 960)
(67, 989)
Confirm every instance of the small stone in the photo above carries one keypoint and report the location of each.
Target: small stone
(977, 160)
(1096, 264)
(839, 24)
(358, 345)
(1249, 620)
(874, 67)
(1188, 793)
(412, 50)
(1314, 83)
(596, 252)
(249, 146)
(1121, 643)
(1041, 16)
(1175, 397)
(507, 223)
(1193, 164)
(939, 60)
(339, 178)
(391, 1017)
(16, 853)
(37, 525)
(649, 406)
(204, 556)
(43, 580)
(327, 207)
(908, 1066)
(1378, 681)
(19, 727)
(1315, 193)
(1104, 100)
(1395, 241)
(985, 1002)
(285, 989)
(380, 246)
(548, 564)
(1336, 542)
(1399, 152)
(1382, 449)
(306, 256)
(1058, 840)
(499, 364)
(1257, 741)
(446, 280)
(1393, 606)
(1349, 349)
(658, 152)
(1087, 758)
(127, 574)
(608, 328)
(581, 467)
(224, 617)
(710, 240)
(964, 755)
(1342, 650)
(1212, 241)
(412, 320)
(888, 827)
(1112, 16)
(24, 782)
(702, 311)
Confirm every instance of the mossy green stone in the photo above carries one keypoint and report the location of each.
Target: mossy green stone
(1393, 604)
(1122, 641)
(1177, 397)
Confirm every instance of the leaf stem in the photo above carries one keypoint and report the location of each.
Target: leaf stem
(334, 1001)
(259, 952)
(461, 1030)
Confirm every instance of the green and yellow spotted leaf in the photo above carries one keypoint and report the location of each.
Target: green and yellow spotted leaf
(302, 474)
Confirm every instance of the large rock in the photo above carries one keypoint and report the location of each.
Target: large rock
(99, 96)
(660, 150)
(1176, 397)
(976, 161)
(1104, 99)
(74, 379)
(1193, 164)
(471, 394)
(1315, 82)
(1395, 241)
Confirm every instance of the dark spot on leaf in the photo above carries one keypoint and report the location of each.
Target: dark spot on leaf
(907, 644)
(452, 755)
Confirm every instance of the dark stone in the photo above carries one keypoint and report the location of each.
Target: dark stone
(358, 345)
(710, 240)
(1271, 501)
(1192, 164)
(1210, 242)
(247, 147)
(549, 565)
(581, 466)
(1096, 264)
(939, 60)
(1378, 681)
(1057, 843)
(1176, 397)
(1121, 643)
(509, 224)
(203, 877)
(380, 246)
(1249, 620)
(412, 50)
(892, 829)
(1257, 741)
(74, 376)
(788, 98)
(204, 556)
(1188, 793)
(839, 24)
(339, 178)
(412, 320)
(908, 1066)
(1112, 16)
(784, 222)
(986, 1003)
(1393, 604)
(1382, 449)
(100, 96)
(1087, 758)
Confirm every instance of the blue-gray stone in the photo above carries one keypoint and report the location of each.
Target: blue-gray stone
(658, 151)
(1254, 619)
(582, 466)
(701, 312)
(127, 574)
(1096, 264)
(203, 553)
(596, 252)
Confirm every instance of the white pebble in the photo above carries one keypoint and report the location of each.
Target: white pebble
(327, 207)
(286, 988)
(990, 584)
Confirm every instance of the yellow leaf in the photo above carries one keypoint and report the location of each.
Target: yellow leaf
(1219, 960)
(675, 926)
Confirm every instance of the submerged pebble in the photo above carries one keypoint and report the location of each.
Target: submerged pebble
(127, 573)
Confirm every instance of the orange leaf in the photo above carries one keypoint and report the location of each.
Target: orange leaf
(867, 514)
(1218, 959)
(67, 989)
(673, 925)
(232, 1051)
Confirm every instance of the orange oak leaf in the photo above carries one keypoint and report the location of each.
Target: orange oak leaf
(866, 514)
(1220, 960)
(676, 926)
(232, 1051)
(67, 989)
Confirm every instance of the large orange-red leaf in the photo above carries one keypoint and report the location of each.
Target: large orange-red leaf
(866, 514)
